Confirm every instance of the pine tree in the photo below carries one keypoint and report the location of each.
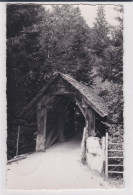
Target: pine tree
(100, 30)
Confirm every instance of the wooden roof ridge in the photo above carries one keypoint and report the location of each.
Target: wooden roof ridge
(95, 101)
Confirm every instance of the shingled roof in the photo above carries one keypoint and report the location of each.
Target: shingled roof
(95, 101)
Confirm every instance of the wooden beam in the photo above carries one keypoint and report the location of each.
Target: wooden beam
(116, 150)
(120, 144)
(103, 146)
(122, 172)
(90, 121)
(61, 123)
(80, 107)
(118, 157)
(115, 165)
(62, 93)
(84, 103)
(83, 146)
(41, 127)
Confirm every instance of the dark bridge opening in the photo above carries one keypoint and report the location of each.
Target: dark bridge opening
(64, 120)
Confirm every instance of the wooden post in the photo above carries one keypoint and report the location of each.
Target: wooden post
(86, 124)
(106, 156)
(80, 107)
(44, 126)
(41, 125)
(83, 146)
(103, 146)
(72, 119)
(61, 126)
(17, 140)
(90, 121)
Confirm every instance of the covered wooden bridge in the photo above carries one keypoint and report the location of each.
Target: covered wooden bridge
(63, 108)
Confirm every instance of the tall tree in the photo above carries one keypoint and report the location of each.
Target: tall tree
(100, 30)
(65, 41)
(22, 48)
(113, 54)
(22, 62)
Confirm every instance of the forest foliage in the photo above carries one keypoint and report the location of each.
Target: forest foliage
(43, 41)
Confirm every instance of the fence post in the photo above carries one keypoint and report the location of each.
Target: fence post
(103, 147)
(17, 140)
(106, 156)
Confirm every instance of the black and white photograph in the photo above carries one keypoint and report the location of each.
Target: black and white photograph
(64, 69)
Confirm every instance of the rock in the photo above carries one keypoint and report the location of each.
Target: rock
(95, 157)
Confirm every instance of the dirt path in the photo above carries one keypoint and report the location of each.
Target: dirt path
(57, 168)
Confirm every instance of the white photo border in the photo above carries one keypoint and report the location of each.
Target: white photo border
(128, 106)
